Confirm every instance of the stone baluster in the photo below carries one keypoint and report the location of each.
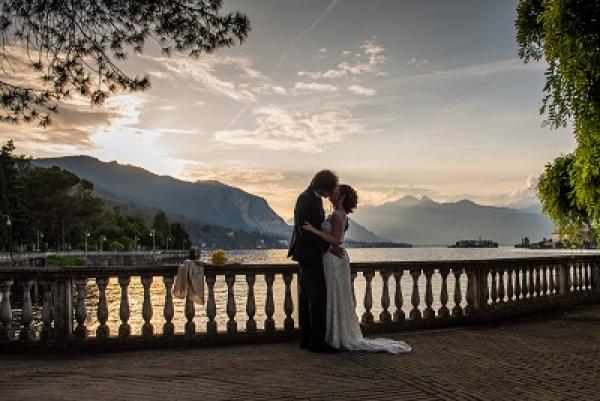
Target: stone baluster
(26, 311)
(270, 304)
(124, 310)
(250, 304)
(385, 316)
(399, 315)
(524, 286)
(288, 303)
(486, 289)
(494, 295)
(509, 285)
(190, 313)
(580, 277)
(586, 270)
(6, 310)
(574, 279)
(353, 277)
(538, 285)
(169, 309)
(47, 314)
(231, 306)
(367, 317)
(557, 278)
(428, 313)
(147, 328)
(457, 309)
(211, 306)
(415, 299)
(545, 281)
(444, 312)
(551, 279)
(531, 289)
(518, 294)
(501, 286)
(470, 307)
(102, 331)
(80, 309)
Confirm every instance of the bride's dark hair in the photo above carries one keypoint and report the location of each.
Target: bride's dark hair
(350, 198)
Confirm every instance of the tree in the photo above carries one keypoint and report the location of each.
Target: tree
(181, 239)
(161, 228)
(73, 47)
(565, 33)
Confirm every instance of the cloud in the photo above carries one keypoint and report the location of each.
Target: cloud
(233, 176)
(370, 60)
(361, 90)
(314, 87)
(71, 129)
(233, 77)
(417, 63)
(470, 71)
(283, 129)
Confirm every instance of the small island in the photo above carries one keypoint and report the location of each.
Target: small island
(472, 243)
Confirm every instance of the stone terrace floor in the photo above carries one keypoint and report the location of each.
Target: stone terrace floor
(551, 358)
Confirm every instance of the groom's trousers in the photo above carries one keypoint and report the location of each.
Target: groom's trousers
(312, 304)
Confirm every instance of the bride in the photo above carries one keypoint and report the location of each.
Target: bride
(343, 330)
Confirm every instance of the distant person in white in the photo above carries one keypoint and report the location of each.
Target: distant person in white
(343, 330)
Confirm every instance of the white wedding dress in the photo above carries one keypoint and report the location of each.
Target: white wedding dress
(343, 329)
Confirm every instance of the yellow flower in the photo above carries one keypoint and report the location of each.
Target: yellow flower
(219, 257)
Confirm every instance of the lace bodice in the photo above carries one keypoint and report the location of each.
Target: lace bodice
(327, 227)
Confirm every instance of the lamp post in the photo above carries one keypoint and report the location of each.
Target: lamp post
(153, 235)
(102, 239)
(87, 235)
(9, 229)
(40, 235)
(135, 242)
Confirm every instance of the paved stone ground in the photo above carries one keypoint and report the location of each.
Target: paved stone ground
(557, 358)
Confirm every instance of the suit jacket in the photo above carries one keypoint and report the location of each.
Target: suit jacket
(306, 247)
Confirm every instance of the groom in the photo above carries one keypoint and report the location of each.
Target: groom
(307, 249)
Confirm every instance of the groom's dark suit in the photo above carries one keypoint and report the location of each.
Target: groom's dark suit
(308, 249)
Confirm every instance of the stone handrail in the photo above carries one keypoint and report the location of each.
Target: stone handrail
(480, 290)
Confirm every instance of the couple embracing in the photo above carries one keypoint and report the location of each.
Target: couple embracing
(328, 320)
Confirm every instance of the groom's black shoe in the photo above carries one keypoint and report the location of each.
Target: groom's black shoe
(304, 345)
(323, 348)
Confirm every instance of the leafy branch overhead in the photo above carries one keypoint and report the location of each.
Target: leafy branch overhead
(74, 47)
(565, 34)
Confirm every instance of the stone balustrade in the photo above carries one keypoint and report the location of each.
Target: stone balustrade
(434, 293)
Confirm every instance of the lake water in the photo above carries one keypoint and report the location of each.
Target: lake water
(277, 256)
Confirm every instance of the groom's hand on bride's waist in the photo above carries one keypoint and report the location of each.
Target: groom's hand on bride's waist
(337, 251)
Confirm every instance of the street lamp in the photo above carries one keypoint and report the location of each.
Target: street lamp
(87, 235)
(152, 234)
(9, 229)
(40, 235)
(102, 239)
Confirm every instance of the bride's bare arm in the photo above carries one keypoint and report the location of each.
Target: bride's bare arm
(337, 226)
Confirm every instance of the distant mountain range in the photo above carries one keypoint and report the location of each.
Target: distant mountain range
(207, 202)
(211, 203)
(195, 204)
(427, 222)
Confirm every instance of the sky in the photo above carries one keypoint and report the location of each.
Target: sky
(424, 97)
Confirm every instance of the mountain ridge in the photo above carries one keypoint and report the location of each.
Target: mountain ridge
(427, 222)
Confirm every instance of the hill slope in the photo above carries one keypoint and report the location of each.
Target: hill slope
(207, 202)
